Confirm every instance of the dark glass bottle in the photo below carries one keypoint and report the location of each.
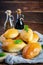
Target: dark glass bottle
(19, 24)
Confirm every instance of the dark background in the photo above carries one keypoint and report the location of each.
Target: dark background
(32, 10)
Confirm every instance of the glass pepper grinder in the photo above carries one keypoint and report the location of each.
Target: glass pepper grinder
(19, 24)
(9, 20)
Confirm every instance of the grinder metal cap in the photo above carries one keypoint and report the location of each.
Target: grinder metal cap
(18, 11)
(8, 12)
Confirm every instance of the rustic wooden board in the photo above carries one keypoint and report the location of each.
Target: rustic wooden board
(26, 6)
(32, 10)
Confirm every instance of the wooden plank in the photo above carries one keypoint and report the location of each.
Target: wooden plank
(33, 10)
(21, 0)
(31, 6)
(31, 17)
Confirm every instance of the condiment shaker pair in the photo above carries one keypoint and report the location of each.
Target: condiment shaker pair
(9, 23)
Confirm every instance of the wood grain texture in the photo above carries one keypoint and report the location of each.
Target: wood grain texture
(22, 0)
(26, 6)
(22, 64)
(32, 9)
(31, 17)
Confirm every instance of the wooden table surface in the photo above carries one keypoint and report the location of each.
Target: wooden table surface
(35, 26)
